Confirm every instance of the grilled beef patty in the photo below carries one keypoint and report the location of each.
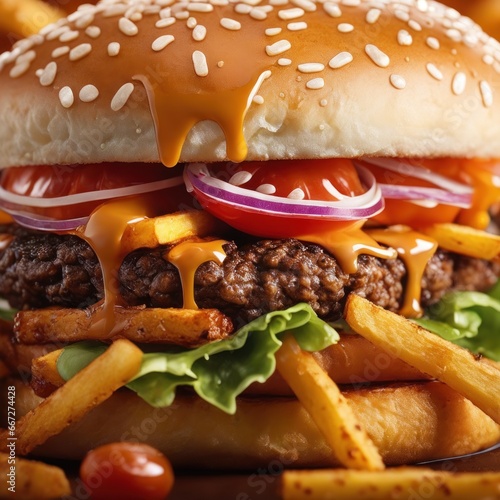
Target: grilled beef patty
(41, 269)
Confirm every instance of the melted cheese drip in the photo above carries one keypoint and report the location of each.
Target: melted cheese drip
(348, 245)
(187, 257)
(104, 232)
(415, 250)
(227, 108)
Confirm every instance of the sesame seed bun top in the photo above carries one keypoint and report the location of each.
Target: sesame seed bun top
(200, 81)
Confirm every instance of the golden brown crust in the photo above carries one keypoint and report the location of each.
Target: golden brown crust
(409, 423)
(421, 83)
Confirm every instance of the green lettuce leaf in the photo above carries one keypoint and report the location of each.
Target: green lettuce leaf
(218, 371)
(469, 319)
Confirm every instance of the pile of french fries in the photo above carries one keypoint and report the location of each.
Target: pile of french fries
(365, 475)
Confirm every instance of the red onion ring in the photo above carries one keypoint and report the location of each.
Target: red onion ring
(198, 178)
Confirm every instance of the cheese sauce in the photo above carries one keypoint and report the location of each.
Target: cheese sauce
(415, 250)
(104, 232)
(187, 257)
(348, 245)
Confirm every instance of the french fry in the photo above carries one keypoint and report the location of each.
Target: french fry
(328, 407)
(408, 483)
(458, 368)
(72, 401)
(33, 480)
(464, 240)
(27, 17)
(149, 233)
(44, 370)
(185, 327)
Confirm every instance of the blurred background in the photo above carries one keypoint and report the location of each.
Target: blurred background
(20, 18)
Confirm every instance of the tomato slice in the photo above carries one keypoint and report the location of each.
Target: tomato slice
(54, 183)
(285, 198)
(127, 471)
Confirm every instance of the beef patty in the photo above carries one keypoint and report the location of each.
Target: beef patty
(41, 269)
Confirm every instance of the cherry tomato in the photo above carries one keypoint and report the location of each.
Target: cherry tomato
(280, 178)
(127, 471)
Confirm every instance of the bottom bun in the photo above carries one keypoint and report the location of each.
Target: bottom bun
(408, 423)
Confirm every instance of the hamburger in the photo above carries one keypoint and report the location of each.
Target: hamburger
(317, 142)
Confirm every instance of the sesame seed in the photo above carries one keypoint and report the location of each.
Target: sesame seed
(297, 194)
(315, 84)
(422, 5)
(258, 99)
(66, 97)
(377, 56)
(93, 31)
(311, 67)
(458, 83)
(454, 35)
(433, 43)
(434, 71)
(397, 82)
(60, 51)
(402, 15)
(220, 64)
(88, 93)
(307, 5)
(283, 61)
(161, 42)
(486, 93)
(297, 26)
(199, 33)
(488, 59)
(165, 13)
(340, 60)
(273, 31)
(345, 27)
(266, 189)
(85, 20)
(414, 25)
(127, 27)
(165, 22)
(19, 69)
(404, 38)
(373, 15)
(69, 36)
(258, 14)
(191, 22)
(48, 75)
(278, 48)
(243, 8)
(26, 57)
(152, 9)
(240, 178)
(200, 7)
(121, 97)
(182, 15)
(323, 103)
(80, 51)
(57, 32)
(114, 10)
(113, 49)
(136, 17)
(200, 63)
(230, 24)
(332, 9)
